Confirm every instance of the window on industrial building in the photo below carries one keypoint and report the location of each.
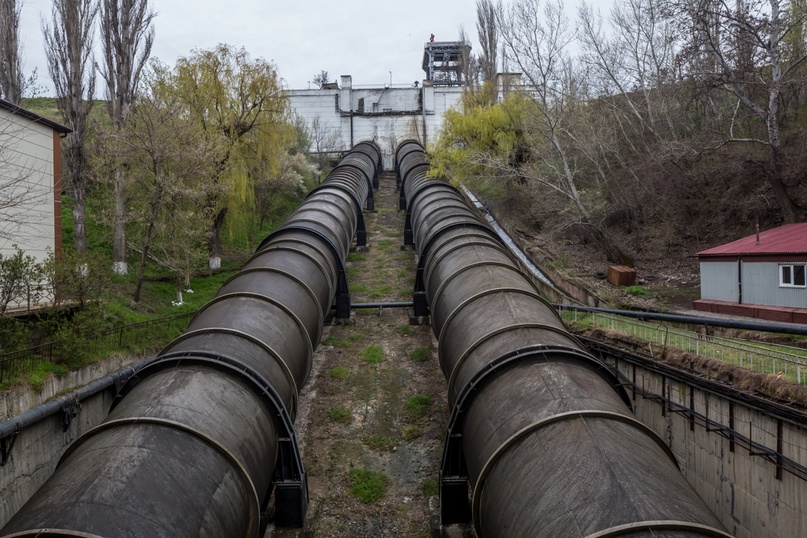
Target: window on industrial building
(792, 276)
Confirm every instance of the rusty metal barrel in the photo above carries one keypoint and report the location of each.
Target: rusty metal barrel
(197, 442)
(541, 441)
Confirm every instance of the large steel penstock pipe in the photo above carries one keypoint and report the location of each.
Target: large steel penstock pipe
(198, 441)
(541, 437)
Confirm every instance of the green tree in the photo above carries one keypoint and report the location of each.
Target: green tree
(479, 145)
(18, 273)
(231, 95)
(172, 173)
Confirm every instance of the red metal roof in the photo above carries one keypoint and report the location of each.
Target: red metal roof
(787, 239)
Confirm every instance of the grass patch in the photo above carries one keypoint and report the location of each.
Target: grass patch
(411, 432)
(367, 486)
(356, 257)
(347, 341)
(42, 371)
(352, 272)
(340, 414)
(340, 372)
(421, 354)
(359, 288)
(430, 486)
(638, 291)
(418, 405)
(405, 329)
(379, 291)
(372, 354)
(381, 443)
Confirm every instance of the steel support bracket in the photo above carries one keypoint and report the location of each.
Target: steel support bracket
(409, 236)
(342, 298)
(361, 231)
(291, 485)
(70, 408)
(421, 304)
(455, 505)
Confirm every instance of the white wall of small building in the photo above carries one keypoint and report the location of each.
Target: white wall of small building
(26, 186)
(760, 284)
(719, 281)
(386, 115)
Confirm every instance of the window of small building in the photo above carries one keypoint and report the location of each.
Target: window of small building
(792, 276)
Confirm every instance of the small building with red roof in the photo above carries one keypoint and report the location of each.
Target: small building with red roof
(763, 276)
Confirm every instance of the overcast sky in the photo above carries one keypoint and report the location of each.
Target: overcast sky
(349, 37)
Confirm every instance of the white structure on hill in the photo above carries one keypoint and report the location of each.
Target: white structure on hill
(341, 115)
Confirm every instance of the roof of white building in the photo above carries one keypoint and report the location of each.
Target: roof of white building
(36, 118)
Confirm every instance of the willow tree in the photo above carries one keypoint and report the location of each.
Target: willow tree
(68, 48)
(230, 94)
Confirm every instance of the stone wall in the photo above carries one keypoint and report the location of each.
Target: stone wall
(748, 463)
(36, 449)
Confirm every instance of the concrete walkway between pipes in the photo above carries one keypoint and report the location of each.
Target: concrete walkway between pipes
(373, 415)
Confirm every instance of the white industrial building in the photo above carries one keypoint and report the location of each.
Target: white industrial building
(341, 115)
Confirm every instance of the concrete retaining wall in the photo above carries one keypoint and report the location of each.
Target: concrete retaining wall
(36, 449)
(746, 463)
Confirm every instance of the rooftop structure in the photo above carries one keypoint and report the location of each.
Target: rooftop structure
(444, 61)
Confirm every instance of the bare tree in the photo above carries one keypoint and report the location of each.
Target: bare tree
(746, 44)
(11, 78)
(324, 139)
(488, 39)
(68, 47)
(321, 78)
(127, 35)
(537, 39)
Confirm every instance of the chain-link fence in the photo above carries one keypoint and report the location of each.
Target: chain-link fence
(773, 359)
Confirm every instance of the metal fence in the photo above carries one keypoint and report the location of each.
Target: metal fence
(25, 299)
(136, 339)
(764, 358)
